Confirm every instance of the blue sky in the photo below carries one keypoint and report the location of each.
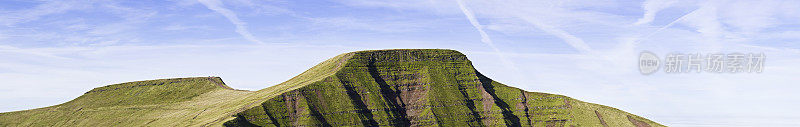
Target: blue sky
(53, 51)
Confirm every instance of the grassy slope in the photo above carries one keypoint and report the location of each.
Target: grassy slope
(164, 102)
(383, 87)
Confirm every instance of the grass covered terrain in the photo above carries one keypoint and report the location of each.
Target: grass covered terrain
(165, 102)
(404, 87)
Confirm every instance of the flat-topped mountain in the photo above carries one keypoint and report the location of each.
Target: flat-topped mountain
(402, 87)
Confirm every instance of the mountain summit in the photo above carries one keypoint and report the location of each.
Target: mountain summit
(400, 87)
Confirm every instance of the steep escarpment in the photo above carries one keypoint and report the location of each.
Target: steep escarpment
(422, 88)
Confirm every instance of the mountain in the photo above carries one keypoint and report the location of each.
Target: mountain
(400, 87)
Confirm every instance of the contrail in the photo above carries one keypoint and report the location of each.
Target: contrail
(241, 27)
(472, 20)
(666, 26)
(570, 39)
(484, 37)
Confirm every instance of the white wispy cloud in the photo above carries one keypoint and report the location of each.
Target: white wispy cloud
(484, 37)
(56, 23)
(553, 18)
(47, 8)
(706, 21)
(729, 22)
(662, 28)
(350, 23)
(525, 14)
(179, 27)
(34, 52)
(651, 7)
(241, 26)
(474, 21)
(570, 39)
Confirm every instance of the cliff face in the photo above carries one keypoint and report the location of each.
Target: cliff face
(422, 88)
(406, 87)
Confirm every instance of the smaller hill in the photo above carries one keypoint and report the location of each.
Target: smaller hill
(162, 102)
(147, 92)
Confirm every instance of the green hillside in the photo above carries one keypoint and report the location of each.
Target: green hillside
(164, 102)
(403, 87)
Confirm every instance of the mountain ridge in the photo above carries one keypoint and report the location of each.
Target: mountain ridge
(398, 87)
